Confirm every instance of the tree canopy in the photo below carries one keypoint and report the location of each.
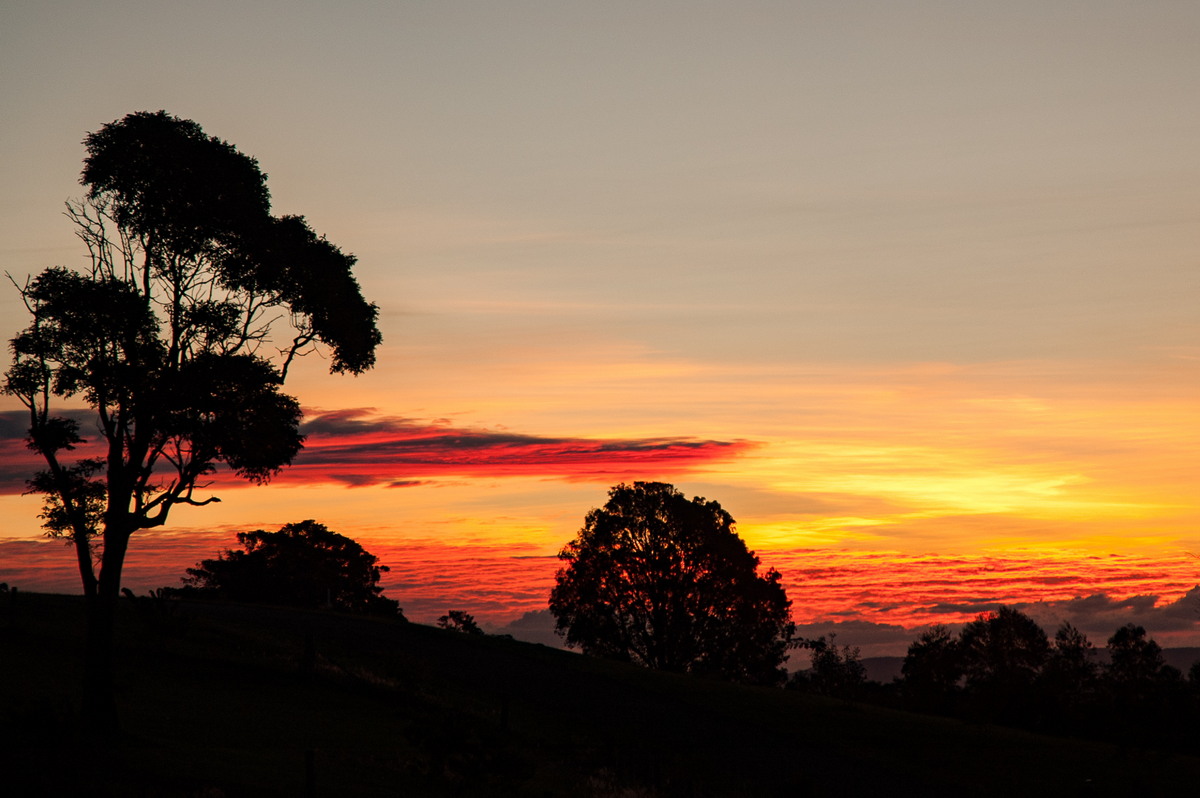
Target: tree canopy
(1005, 648)
(459, 621)
(301, 565)
(178, 333)
(663, 581)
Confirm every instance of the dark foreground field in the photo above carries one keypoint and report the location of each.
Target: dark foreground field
(241, 701)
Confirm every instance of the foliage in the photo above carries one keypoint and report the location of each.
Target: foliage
(301, 565)
(835, 671)
(1003, 653)
(1071, 668)
(1133, 658)
(1003, 648)
(932, 669)
(665, 582)
(459, 621)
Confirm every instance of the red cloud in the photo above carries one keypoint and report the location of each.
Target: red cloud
(354, 447)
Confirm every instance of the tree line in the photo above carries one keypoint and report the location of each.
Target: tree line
(1002, 667)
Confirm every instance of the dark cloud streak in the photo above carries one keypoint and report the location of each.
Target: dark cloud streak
(356, 448)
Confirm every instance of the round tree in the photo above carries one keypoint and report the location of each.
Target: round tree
(1005, 648)
(665, 582)
(301, 565)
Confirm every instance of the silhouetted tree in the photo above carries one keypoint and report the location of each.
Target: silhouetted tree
(166, 336)
(301, 565)
(665, 582)
(1073, 656)
(1003, 653)
(1147, 695)
(1132, 658)
(1068, 682)
(459, 621)
(1072, 659)
(1004, 647)
(932, 670)
(835, 671)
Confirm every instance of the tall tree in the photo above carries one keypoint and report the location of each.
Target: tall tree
(1005, 649)
(169, 335)
(665, 582)
(1003, 653)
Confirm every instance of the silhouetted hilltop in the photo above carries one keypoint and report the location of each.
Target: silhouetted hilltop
(232, 700)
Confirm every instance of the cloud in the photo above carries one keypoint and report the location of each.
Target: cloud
(355, 448)
(1099, 615)
(535, 626)
(18, 463)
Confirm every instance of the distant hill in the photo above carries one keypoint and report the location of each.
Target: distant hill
(883, 669)
(228, 700)
(1182, 658)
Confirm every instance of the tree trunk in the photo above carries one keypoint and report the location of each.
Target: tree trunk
(83, 558)
(99, 695)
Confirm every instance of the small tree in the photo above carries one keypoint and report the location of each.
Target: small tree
(166, 334)
(459, 621)
(665, 582)
(301, 565)
(835, 671)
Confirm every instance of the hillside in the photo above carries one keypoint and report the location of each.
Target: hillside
(245, 701)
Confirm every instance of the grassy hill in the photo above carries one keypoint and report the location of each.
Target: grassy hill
(247, 701)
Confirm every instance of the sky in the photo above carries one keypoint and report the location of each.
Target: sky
(910, 288)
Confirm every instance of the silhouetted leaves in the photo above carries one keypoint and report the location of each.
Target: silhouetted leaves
(285, 260)
(229, 408)
(459, 621)
(301, 565)
(932, 670)
(1005, 647)
(172, 184)
(835, 671)
(665, 582)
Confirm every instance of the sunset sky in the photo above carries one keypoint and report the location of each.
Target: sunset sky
(910, 288)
